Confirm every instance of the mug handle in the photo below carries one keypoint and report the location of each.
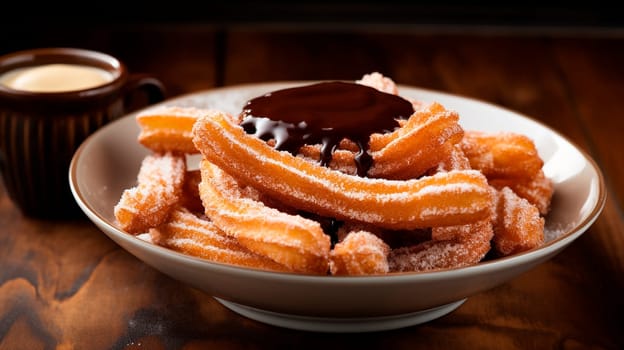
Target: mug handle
(152, 88)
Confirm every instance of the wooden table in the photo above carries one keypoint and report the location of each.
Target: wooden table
(65, 285)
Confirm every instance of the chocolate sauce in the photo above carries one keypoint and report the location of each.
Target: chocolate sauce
(325, 113)
(329, 225)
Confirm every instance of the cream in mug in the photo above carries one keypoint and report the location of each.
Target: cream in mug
(56, 78)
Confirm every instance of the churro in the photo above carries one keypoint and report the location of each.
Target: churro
(168, 128)
(292, 241)
(465, 245)
(359, 253)
(415, 147)
(538, 190)
(440, 200)
(189, 234)
(502, 154)
(519, 226)
(159, 188)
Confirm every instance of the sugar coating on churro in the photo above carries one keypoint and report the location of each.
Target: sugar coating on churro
(291, 240)
(538, 189)
(380, 82)
(519, 226)
(158, 189)
(359, 253)
(502, 154)
(187, 233)
(466, 246)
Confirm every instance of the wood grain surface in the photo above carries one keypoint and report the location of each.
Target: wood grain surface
(65, 285)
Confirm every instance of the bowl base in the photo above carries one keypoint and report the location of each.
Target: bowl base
(341, 325)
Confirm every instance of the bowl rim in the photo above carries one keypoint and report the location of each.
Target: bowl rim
(550, 247)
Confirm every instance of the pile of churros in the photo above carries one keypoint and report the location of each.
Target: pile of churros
(335, 178)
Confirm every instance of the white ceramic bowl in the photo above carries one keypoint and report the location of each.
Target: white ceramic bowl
(108, 162)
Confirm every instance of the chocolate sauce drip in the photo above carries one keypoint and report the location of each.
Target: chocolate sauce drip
(330, 226)
(325, 114)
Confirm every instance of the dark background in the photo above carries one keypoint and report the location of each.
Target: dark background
(135, 31)
(388, 14)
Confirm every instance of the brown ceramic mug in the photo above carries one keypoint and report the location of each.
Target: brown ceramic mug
(51, 99)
